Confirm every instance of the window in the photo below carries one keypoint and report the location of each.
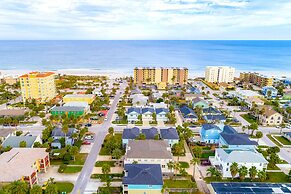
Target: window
(163, 166)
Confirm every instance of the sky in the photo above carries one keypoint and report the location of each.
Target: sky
(145, 19)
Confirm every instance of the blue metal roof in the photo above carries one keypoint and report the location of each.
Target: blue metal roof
(150, 133)
(211, 110)
(169, 133)
(229, 129)
(143, 174)
(134, 109)
(130, 133)
(214, 117)
(237, 139)
(210, 126)
(151, 110)
(159, 110)
(185, 110)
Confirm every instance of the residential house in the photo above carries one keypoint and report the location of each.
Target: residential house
(210, 133)
(225, 157)
(5, 133)
(147, 114)
(89, 98)
(139, 100)
(58, 134)
(149, 152)
(142, 178)
(188, 114)
(23, 164)
(253, 100)
(12, 112)
(150, 133)
(190, 97)
(14, 141)
(133, 114)
(85, 105)
(236, 141)
(161, 114)
(129, 134)
(70, 111)
(158, 105)
(270, 117)
(198, 102)
(270, 92)
(97, 92)
(170, 135)
(287, 135)
(212, 115)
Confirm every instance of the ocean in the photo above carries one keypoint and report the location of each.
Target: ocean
(261, 56)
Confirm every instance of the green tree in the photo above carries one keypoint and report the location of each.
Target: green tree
(194, 161)
(74, 150)
(22, 144)
(259, 135)
(197, 151)
(170, 167)
(18, 187)
(106, 171)
(36, 189)
(51, 189)
(253, 172)
(234, 169)
(253, 127)
(262, 175)
(117, 153)
(178, 149)
(213, 172)
(141, 136)
(242, 171)
(273, 159)
(111, 130)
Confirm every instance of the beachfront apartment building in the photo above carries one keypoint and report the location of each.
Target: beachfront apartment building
(160, 76)
(256, 78)
(219, 74)
(23, 164)
(38, 85)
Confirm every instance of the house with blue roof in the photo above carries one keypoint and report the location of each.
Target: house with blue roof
(170, 135)
(161, 114)
(150, 133)
(147, 114)
(210, 111)
(58, 134)
(133, 114)
(270, 92)
(142, 178)
(198, 102)
(236, 141)
(210, 133)
(193, 90)
(129, 134)
(188, 114)
(213, 115)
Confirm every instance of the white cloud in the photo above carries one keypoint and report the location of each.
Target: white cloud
(143, 19)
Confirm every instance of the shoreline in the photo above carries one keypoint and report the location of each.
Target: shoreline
(116, 73)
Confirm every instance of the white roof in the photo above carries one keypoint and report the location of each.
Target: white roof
(248, 93)
(19, 162)
(77, 104)
(79, 96)
(240, 156)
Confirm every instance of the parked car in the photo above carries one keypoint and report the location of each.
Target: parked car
(89, 137)
(88, 125)
(86, 143)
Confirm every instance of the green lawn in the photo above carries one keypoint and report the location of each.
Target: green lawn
(69, 169)
(249, 118)
(273, 140)
(179, 184)
(104, 151)
(184, 164)
(113, 190)
(207, 154)
(79, 160)
(273, 168)
(101, 163)
(115, 177)
(283, 140)
(65, 186)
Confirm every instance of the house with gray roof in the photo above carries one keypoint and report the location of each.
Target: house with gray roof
(236, 141)
(146, 178)
(198, 102)
(170, 135)
(58, 134)
(5, 133)
(14, 141)
(149, 152)
(139, 100)
(225, 157)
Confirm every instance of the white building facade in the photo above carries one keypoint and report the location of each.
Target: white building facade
(219, 74)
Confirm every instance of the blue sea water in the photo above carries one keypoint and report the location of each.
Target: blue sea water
(124, 55)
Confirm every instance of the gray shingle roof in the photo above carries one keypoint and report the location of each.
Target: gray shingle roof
(215, 117)
(57, 132)
(14, 141)
(130, 133)
(210, 126)
(211, 110)
(169, 133)
(143, 174)
(148, 149)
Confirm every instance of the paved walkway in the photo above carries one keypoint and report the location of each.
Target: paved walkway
(113, 170)
(52, 172)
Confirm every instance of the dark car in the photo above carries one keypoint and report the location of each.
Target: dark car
(88, 125)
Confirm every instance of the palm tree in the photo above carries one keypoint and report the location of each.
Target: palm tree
(176, 167)
(194, 162)
(262, 175)
(234, 169)
(212, 171)
(243, 171)
(170, 167)
(253, 172)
